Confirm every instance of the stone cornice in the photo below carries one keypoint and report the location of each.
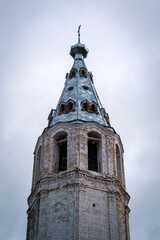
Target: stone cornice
(80, 178)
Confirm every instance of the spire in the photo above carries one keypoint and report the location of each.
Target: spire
(79, 99)
(78, 50)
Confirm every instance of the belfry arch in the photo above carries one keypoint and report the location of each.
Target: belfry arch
(61, 148)
(94, 152)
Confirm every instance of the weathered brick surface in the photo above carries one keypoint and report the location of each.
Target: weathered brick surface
(78, 204)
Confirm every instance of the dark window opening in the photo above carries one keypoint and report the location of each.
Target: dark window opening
(83, 72)
(92, 155)
(62, 108)
(63, 156)
(72, 73)
(94, 152)
(66, 107)
(61, 151)
(94, 204)
(70, 106)
(89, 107)
(85, 106)
(93, 108)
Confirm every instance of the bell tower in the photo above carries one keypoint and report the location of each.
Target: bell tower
(78, 187)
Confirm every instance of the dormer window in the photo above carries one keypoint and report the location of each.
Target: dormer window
(89, 107)
(66, 107)
(83, 72)
(72, 73)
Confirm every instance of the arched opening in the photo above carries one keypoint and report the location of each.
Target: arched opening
(62, 108)
(72, 73)
(85, 106)
(93, 108)
(94, 152)
(70, 106)
(66, 107)
(38, 162)
(83, 72)
(89, 107)
(118, 161)
(61, 140)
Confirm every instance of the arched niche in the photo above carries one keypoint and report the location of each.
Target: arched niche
(38, 162)
(118, 163)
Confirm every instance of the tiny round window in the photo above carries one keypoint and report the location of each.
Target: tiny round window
(85, 87)
(70, 88)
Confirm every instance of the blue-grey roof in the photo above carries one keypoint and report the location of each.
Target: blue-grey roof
(78, 94)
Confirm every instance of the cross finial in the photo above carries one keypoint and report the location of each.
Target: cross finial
(79, 33)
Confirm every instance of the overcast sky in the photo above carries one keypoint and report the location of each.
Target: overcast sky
(123, 37)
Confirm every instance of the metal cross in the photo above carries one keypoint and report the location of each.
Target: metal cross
(79, 33)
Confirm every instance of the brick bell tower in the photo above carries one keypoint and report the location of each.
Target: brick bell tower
(78, 187)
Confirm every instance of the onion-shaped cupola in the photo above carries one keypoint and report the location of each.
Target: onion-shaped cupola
(79, 99)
